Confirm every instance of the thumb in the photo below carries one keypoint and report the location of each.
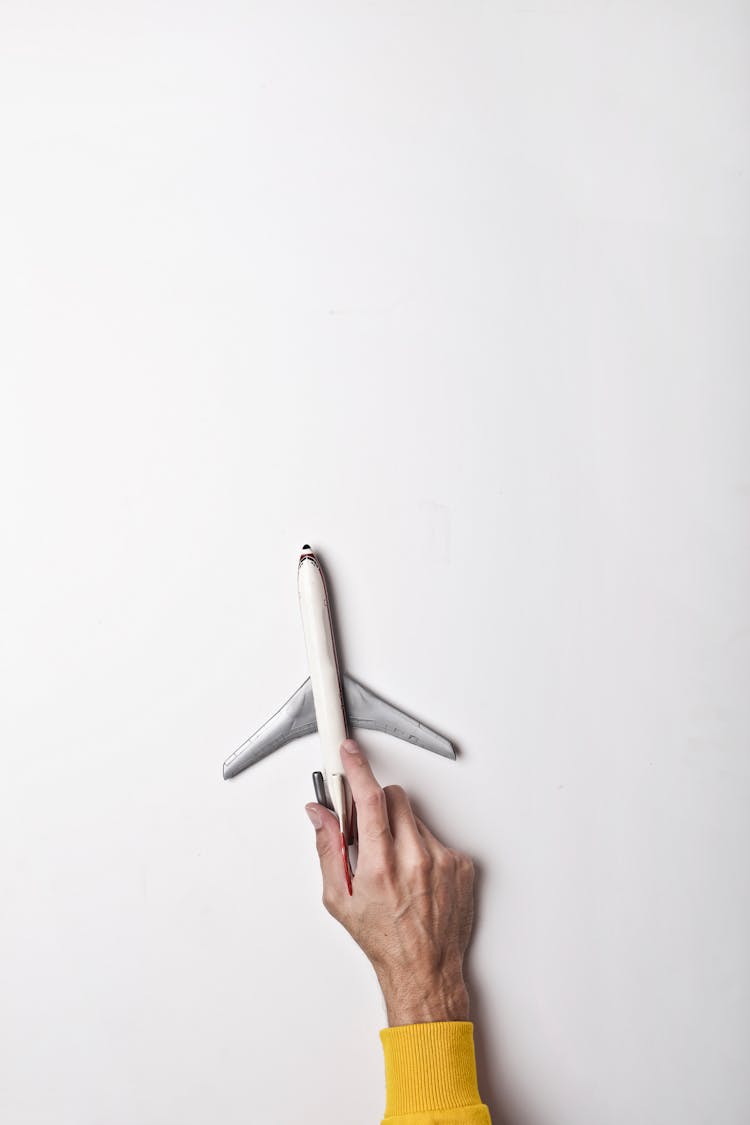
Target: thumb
(328, 843)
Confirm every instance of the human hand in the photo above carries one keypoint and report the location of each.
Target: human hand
(412, 903)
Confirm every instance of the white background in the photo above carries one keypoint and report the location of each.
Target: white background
(458, 293)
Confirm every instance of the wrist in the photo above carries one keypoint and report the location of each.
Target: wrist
(437, 998)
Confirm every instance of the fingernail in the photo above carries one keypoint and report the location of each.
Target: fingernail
(315, 818)
(350, 746)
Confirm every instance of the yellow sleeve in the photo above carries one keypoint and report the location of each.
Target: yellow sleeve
(431, 1075)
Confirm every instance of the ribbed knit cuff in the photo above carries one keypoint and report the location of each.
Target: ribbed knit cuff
(429, 1066)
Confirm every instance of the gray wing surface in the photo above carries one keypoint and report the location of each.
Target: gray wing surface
(363, 708)
(295, 718)
(366, 709)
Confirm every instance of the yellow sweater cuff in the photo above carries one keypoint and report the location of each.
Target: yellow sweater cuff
(429, 1066)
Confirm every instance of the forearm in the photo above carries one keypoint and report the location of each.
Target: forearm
(425, 998)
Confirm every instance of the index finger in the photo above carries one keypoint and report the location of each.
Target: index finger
(372, 809)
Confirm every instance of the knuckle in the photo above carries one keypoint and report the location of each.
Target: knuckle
(395, 790)
(374, 798)
(376, 831)
(421, 870)
(446, 861)
(423, 861)
(383, 873)
(463, 861)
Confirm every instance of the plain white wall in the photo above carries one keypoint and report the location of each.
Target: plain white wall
(458, 292)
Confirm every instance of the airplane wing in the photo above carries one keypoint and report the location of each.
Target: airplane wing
(364, 709)
(295, 718)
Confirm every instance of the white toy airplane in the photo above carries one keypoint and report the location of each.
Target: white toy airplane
(323, 703)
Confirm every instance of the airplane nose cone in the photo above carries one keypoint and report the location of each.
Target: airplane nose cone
(306, 547)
